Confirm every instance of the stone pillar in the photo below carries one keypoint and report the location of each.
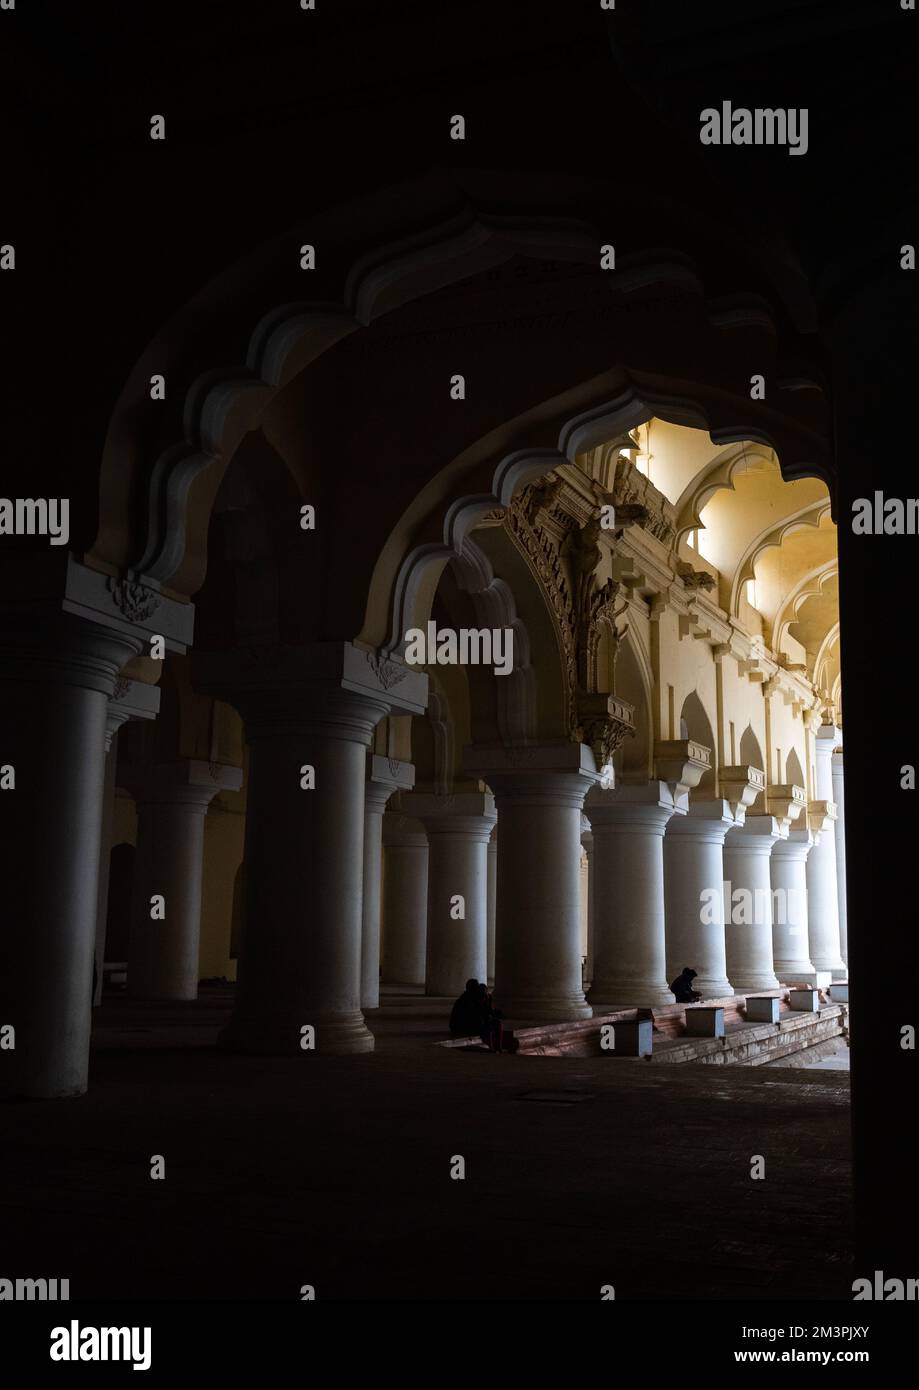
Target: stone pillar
(172, 801)
(458, 829)
(748, 912)
(539, 792)
(839, 799)
(788, 872)
(822, 890)
(57, 677)
(309, 719)
(693, 880)
(384, 776)
(130, 699)
(492, 904)
(630, 964)
(405, 899)
(588, 891)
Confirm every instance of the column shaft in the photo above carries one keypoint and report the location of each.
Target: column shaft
(629, 931)
(693, 877)
(788, 871)
(748, 906)
(405, 900)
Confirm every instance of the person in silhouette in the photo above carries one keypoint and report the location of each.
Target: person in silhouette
(492, 1028)
(466, 1016)
(682, 989)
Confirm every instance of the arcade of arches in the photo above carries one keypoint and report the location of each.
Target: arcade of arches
(312, 814)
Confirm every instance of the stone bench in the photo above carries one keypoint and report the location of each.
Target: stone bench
(804, 1001)
(762, 1008)
(704, 1021)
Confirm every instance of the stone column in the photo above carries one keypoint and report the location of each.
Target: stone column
(405, 899)
(384, 776)
(693, 879)
(57, 677)
(172, 801)
(588, 888)
(309, 718)
(458, 829)
(788, 872)
(131, 699)
(839, 799)
(748, 902)
(630, 965)
(539, 792)
(492, 904)
(822, 885)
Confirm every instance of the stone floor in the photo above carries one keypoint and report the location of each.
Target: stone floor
(335, 1172)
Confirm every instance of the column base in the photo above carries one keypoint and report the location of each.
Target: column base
(643, 994)
(545, 1010)
(755, 981)
(275, 1037)
(834, 964)
(712, 988)
(793, 971)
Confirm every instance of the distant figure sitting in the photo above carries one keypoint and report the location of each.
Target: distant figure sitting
(682, 989)
(492, 1029)
(466, 1016)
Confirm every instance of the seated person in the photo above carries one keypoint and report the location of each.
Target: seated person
(681, 988)
(466, 1016)
(492, 1029)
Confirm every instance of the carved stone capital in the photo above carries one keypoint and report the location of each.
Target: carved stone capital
(681, 763)
(820, 815)
(787, 802)
(741, 785)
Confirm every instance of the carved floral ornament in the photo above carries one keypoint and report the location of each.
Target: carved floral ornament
(583, 608)
(135, 601)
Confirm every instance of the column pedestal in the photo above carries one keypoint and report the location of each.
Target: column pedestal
(693, 879)
(458, 829)
(539, 793)
(629, 933)
(748, 921)
(405, 899)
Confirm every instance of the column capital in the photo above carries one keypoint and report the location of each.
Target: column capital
(64, 649)
(741, 785)
(706, 820)
(188, 780)
(787, 801)
(384, 777)
(342, 689)
(820, 815)
(402, 831)
(681, 763)
(826, 737)
(538, 774)
(640, 807)
(130, 699)
(56, 584)
(757, 834)
(796, 845)
(461, 813)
